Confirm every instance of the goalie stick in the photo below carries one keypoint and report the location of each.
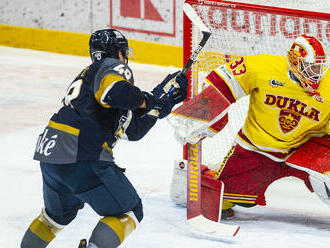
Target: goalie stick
(172, 85)
(191, 14)
(195, 216)
(194, 205)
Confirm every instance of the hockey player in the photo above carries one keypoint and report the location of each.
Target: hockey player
(101, 106)
(289, 112)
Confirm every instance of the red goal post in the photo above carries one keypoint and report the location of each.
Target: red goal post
(242, 29)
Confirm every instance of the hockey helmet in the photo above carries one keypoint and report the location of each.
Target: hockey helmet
(107, 43)
(308, 61)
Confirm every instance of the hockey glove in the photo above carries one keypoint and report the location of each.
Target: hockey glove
(172, 90)
(174, 87)
(180, 94)
(158, 107)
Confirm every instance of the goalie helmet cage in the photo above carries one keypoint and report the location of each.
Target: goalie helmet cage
(240, 29)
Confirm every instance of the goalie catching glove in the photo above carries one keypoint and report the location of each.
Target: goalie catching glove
(172, 90)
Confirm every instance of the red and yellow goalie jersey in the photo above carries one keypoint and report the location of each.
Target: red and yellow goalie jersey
(281, 115)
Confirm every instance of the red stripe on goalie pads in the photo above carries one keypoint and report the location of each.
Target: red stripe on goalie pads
(314, 155)
(221, 85)
(212, 194)
(206, 106)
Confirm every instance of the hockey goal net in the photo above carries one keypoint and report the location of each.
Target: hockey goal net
(242, 29)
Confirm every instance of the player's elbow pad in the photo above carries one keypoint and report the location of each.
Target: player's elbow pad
(124, 96)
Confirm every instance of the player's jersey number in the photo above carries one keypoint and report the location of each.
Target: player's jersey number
(123, 70)
(74, 89)
(72, 92)
(238, 67)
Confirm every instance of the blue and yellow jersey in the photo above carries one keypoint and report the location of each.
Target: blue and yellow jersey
(281, 115)
(101, 106)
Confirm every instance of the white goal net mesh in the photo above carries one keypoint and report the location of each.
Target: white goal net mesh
(236, 31)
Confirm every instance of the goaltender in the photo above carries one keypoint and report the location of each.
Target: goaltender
(286, 129)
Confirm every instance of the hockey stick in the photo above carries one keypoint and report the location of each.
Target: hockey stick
(194, 205)
(172, 85)
(193, 17)
(191, 14)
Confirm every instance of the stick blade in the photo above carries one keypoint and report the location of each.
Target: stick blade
(212, 228)
(194, 18)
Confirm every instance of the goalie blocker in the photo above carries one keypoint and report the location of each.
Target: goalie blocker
(202, 116)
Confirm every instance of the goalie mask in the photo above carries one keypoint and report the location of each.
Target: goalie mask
(308, 62)
(107, 43)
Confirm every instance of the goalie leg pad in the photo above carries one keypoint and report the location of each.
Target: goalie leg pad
(211, 190)
(312, 156)
(178, 189)
(212, 194)
(321, 186)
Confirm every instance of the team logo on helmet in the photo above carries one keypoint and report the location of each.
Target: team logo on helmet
(107, 43)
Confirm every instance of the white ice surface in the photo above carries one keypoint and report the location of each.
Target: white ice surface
(32, 84)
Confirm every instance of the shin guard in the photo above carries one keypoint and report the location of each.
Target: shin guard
(111, 231)
(41, 232)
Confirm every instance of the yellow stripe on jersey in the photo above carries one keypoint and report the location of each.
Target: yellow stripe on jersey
(64, 128)
(106, 84)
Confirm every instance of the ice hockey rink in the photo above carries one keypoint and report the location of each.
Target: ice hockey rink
(32, 84)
